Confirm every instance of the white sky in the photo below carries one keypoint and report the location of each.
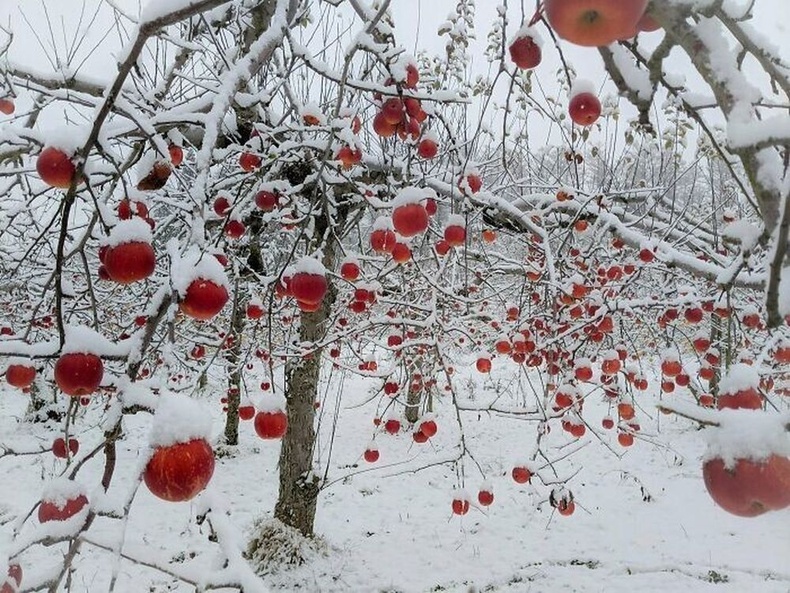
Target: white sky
(416, 21)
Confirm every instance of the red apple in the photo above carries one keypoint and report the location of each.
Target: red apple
(410, 219)
(349, 271)
(235, 229)
(521, 475)
(204, 299)
(271, 425)
(20, 375)
(460, 506)
(749, 487)
(412, 76)
(392, 110)
(427, 148)
(155, 178)
(179, 472)
(51, 511)
(392, 426)
(78, 373)
(409, 128)
(584, 109)
(382, 127)
(455, 235)
(431, 206)
(748, 399)
(254, 311)
(129, 262)
(308, 288)
(176, 154)
(473, 183)
(7, 106)
(383, 240)
(349, 156)
(371, 455)
(483, 365)
(401, 253)
(14, 580)
(221, 205)
(485, 498)
(594, 23)
(55, 168)
(428, 428)
(266, 200)
(525, 53)
(419, 437)
(246, 412)
(249, 161)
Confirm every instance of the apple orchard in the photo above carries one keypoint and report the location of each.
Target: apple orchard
(252, 204)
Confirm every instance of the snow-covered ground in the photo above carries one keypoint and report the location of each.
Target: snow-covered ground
(643, 520)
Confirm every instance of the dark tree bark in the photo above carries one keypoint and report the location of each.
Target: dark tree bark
(299, 486)
(234, 378)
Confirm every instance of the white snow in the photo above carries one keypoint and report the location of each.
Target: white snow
(748, 434)
(456, 220)
(526, 31)
(129, 231)
(408, 195)
(270, 402)
(382, 223)
(82, 339)
(739, 377)
(309, 265)
(747, 233)
(195, 264)
(60, 490)
(179, 419)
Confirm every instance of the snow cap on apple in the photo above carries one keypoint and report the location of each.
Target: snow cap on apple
(311, 114)
(84, 340)
(179, 419)
(740, 377)
(129, 231)
(60, 490)
(196, 265)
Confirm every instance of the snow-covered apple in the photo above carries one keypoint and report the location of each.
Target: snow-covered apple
(20, 375)
(55, 167)
(204, 299)
(410, 219)
(524, 52)
(271, 425)
(78, 373)
(129, 262)
(50, 510)
(179, 472)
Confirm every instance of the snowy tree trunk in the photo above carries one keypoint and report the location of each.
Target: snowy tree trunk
(234, 378)
(296, 503)
(299, 485)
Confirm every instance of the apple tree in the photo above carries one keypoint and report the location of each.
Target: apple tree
(254, 202)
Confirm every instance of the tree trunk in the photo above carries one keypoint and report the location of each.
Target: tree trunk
(299, 485)
(234, 377)
(296, 503)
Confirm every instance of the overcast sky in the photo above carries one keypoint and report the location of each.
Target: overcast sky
(416, 20)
